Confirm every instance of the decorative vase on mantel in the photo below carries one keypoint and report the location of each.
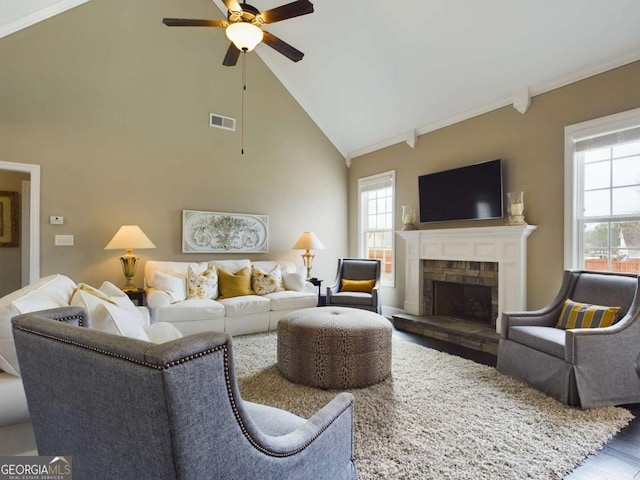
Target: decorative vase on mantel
(515, 207)
(408, 217)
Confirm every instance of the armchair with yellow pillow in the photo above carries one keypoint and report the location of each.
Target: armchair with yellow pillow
(357, 284)
(581, 348)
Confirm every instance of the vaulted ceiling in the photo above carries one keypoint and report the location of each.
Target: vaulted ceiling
(377, 72)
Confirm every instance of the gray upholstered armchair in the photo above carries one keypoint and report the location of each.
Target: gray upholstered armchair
(356, 269)
(589, 367)
(127, 409)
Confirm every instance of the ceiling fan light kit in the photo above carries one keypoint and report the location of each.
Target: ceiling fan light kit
(244, 27)
(245, 36)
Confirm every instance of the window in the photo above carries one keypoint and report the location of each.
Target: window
(602, 194)
(375, 231)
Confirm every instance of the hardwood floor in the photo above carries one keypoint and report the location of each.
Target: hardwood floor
(619, 459)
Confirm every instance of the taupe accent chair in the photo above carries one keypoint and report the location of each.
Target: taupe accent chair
(356, 269)
(127, 409)
(587, 367)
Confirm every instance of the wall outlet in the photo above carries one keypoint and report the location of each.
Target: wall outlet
(56, 220)
(64, 241)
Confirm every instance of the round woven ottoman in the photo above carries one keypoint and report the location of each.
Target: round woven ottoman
(334, 347)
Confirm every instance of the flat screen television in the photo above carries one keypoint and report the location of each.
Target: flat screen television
(466, 193)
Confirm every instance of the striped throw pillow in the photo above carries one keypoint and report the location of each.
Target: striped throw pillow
(583, 315)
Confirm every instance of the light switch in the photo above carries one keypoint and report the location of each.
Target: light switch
(64, 241)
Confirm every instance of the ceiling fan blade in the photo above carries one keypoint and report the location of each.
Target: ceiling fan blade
(232, 5)
(231, 58)
(290, 10)
(188, 22)
(282, 47)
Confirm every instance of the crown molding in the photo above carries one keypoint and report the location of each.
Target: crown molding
(572, 77)
(38, 16)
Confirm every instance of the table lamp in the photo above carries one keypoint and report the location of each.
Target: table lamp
(128, 238)
(308, 241)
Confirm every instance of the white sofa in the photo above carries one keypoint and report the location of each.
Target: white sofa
(107, 309)
(166, 297)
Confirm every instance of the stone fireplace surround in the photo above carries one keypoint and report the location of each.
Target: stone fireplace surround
(459, 277)
(504, 245)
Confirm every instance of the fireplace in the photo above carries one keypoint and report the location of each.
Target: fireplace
(505, 246)
(463, 302)
(461, 290)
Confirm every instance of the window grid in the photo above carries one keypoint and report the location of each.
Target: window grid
(376, 222)
(610, 206)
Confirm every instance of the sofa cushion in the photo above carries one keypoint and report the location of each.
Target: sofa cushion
(287, 299)
(118, 321)
(177, 269)
(585, 315)
(245, 305)
(544, 339)
(232, 266)
(13, 400)
(189, 310)
(48, 292)
(263, 282)
(202, 281)
(352, 298)
(173, 285)
(234, 284)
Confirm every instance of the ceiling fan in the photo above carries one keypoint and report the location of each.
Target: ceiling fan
(244, 27)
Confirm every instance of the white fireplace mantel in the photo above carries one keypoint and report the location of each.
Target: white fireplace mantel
(505, 245)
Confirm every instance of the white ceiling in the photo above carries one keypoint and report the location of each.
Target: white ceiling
(18, 14)
(374, 70)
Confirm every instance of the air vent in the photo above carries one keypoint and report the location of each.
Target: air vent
(220, 121)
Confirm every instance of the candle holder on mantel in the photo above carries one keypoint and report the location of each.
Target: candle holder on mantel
(515, 207)
(408, 218)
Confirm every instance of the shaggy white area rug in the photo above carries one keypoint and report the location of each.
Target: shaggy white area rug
(441, 417)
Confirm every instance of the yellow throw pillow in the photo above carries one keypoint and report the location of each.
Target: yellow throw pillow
(364, 286)
(234, 284)
(584, 315)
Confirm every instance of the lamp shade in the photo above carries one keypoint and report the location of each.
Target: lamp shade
(308, 241)
(129, 237)
(245, 36)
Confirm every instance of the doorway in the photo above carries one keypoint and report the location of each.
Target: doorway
(30, 229)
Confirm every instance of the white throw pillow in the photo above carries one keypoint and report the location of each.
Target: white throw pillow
(48, 292)
(118, 321)
(172, 285)
(295, 280)
(90, 297)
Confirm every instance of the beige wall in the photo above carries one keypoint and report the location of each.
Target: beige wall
(10, 257)
(114, 106)
(532, 147)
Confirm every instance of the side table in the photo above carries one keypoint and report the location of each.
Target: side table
(136, 295)
(322, 299)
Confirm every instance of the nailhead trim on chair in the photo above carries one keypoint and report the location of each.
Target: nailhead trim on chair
(180, 361)
(72, 317)
(248, 436)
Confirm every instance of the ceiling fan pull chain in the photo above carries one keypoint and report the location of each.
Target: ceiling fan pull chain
(244, 87)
